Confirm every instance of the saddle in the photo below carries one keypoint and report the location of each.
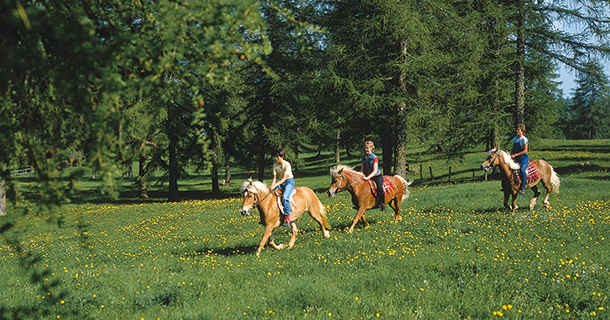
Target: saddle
(278, 198)
(531, 174)
(387, 187)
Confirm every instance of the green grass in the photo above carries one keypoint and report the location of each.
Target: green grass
(456, 253)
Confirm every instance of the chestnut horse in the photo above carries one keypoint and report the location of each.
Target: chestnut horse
(346, 178)
(256, 194)
(510, 183)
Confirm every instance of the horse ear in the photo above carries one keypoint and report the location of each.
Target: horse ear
(340, 171)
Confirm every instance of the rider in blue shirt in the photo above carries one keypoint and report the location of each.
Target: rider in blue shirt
(370, 169)
(519, 154)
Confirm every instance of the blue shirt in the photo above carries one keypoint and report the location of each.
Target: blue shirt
(367, 164)
(518, 146)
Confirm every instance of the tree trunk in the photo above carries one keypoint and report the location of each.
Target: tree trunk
(337, 147)
(400, 166)
(173, 160)
(493, 140)
(227, 170)
(214, 172)
(142, 175)
(520, 74)
(2, 198)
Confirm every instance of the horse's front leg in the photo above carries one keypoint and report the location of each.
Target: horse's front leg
(506, 197)
(514, 207)
(359, 214)
(268, 233)
(273, 244)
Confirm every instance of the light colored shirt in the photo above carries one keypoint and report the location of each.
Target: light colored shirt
(519, 144)
(280, 171)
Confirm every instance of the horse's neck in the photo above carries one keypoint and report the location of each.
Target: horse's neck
(269, 201)
(506, 171)
(351, 177)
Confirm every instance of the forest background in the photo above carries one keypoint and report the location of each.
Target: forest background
(208, 83)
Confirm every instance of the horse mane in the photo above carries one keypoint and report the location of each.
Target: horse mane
(253, 186)
(335, 170)
(511, 163)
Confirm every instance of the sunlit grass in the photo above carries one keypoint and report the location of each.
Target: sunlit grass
(457, 253)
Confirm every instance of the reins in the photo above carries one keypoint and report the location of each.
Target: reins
(349, 185)
(497, 155)
(263, 199)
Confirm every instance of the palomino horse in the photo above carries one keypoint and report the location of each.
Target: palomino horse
(510, 178)
(346, 178)
(256, 194)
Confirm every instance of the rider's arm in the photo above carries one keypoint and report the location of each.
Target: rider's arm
(375, 169)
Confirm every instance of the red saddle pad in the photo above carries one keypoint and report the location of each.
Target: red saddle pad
(387, 187)
(531, 174)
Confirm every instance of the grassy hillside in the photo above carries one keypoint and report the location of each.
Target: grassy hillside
(456, 254)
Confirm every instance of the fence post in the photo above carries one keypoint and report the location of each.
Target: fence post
(421, 173)
(449, 173)
(473, 174)
(431, 176)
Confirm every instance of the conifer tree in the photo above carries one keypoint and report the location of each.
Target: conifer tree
(591, 106)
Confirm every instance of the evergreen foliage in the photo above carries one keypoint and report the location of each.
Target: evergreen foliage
(589, 114)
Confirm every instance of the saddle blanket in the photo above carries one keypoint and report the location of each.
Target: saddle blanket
(387, 187)
(292, 205)
(531, 173)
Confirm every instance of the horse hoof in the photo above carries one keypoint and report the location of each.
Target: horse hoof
(532, 205)
(281, 246)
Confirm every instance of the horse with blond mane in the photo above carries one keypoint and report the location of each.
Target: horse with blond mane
(346, 178)
(256, 194)
(537, 170)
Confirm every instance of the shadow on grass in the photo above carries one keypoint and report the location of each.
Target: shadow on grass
(583, 148)
(228, 252)
(579, 168)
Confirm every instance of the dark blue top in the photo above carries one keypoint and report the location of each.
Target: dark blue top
(367, 164)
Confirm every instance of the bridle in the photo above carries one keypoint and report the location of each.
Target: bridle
(347, 185)
(256, 203)
(496, 157)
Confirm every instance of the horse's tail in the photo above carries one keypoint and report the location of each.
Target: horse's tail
(555, 183)
(406, 193)
(323, 214)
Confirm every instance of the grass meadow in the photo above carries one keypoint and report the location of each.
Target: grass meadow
(456, 254)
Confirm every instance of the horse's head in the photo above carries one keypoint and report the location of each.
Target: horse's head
(336, 177)
(340, 179)
(493, 159)
(251, 192)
